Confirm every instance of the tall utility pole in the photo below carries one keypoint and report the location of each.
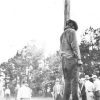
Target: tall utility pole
(66, 11)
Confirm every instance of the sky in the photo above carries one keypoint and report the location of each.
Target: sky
(22, 21)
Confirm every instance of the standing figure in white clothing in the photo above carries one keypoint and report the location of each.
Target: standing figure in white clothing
(16, 90)
(57, 90)
(89, 86)
(7, 93)
(24, 92)
(1, 90)
(97, 87)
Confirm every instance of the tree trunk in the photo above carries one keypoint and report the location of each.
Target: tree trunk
(66, 11)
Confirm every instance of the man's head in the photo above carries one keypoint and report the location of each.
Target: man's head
(94, 77)
(82, 80)
(57, 81)
(87, 77)
(72, 24)
(24, 83)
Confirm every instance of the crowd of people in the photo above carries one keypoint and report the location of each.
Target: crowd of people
(90, 87)
(23, 92)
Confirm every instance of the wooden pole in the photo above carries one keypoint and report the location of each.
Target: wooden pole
(66, 11)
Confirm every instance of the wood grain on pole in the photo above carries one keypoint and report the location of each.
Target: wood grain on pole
(66, 11)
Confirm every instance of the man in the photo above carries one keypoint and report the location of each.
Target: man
(16, 90)
(1, 89)
(97, 87)
(24, 92)
(71, 59)
(7, 93)
(57, 90)
(82, 89)
(89, 86)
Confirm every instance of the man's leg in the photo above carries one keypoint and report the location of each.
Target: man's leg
(67, 90)
(67, 67)
(75, 84)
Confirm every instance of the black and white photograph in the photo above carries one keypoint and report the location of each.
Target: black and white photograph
(49, 50)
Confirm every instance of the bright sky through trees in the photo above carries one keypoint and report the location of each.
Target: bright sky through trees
(42, 20)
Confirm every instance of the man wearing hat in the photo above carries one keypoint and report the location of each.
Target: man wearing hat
(89, 86)
(97, 87)
(71, 59)
(24, 92)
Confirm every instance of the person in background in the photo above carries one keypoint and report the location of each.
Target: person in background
(1, 89)
(24, 92)
(97, 87)
(82, 89)
(7, 93)
(89, 86)
(71, 59)
(57, 90)
(16, 90)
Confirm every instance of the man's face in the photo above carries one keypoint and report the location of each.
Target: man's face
(94, 78)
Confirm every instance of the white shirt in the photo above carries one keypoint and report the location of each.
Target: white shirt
(89, 86)
(97, 84)
(24, 92)
(58, 88)
(7, 91)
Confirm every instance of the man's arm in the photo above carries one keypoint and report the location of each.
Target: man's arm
(75, 46)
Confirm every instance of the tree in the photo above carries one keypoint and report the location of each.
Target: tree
(54, 63)
(90, 50)
(25, 60)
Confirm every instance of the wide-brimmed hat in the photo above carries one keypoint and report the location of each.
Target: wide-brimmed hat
(87, 77)
(72, 23)
(82, 79)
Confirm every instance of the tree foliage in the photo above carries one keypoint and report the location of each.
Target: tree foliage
(25, 65)
(90, 50)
